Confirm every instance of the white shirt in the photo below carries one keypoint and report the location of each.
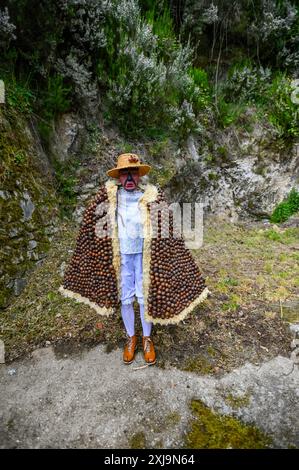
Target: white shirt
(130, 227)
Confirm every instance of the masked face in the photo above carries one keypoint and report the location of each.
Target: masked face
(129, 178)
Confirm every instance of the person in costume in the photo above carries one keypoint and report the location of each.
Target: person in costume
(125, 250)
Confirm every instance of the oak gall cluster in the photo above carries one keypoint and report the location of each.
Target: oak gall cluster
(171, 262)
(91, 273)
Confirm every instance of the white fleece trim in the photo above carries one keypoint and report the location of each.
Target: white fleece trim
(180, 316)
(79, 298)
(111, 187)
(150, 195)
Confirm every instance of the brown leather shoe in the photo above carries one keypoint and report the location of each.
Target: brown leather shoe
(130, 348)
(148, 350)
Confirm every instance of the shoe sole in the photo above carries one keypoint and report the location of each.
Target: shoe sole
(151, 363)
(130, 362)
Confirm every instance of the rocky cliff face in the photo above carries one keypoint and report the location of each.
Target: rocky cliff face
(237, 174)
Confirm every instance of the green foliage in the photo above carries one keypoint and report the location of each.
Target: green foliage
(65, 186)
(18, 94)
(139, 54)
(56, 96)
(271, 234)
(161, 21)
(285, 209)
(151, 86)
(228, 113)
(53, 100)
(200, 91)
(265, 31)
(247, 84)
(283, 113)
(20, 157)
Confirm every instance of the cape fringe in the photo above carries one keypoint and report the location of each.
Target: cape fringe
(150, 195)
(79, 298)
(180, 316)
(111, 188)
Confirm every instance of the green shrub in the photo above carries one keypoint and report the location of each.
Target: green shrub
(53, 100)
(65, 186)
(151, 86)
(283, 113)
(200, 92)
(55, 97)
(286, 208)
(228, 112)
(247, 84)
(18, 95)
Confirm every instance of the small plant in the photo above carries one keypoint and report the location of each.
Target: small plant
(65, 186)
(270, 93)
(56, 97)
(286, 208)
(228, 112)
(20, 157)
(271, 234)
(19, 96)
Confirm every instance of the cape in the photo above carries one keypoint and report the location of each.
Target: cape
(172, 282)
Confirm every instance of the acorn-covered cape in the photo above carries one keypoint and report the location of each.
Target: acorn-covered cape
(172, 282)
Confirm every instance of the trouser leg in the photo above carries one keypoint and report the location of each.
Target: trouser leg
(127, 292)
(128, 316)
(146, 326)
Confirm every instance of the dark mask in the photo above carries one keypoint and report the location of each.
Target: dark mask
(130, 178)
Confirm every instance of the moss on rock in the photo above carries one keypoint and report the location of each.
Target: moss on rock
(210, 430)
(137, 441)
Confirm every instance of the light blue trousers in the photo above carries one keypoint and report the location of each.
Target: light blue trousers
(131, 286)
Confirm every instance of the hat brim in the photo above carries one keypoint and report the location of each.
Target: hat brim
(143, 170)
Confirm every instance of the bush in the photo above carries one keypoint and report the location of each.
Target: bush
(283, 113)
(53, 100)
(150, 79)
(113, 53)
(19, 95)
(285, 209)
(264, 30)
(56, 96)
(270, 92)
(246, 82)
(6, 29)
(65, 186)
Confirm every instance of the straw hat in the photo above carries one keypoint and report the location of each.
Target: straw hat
(127, 160)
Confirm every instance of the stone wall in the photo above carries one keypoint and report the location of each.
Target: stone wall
(28, 204)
